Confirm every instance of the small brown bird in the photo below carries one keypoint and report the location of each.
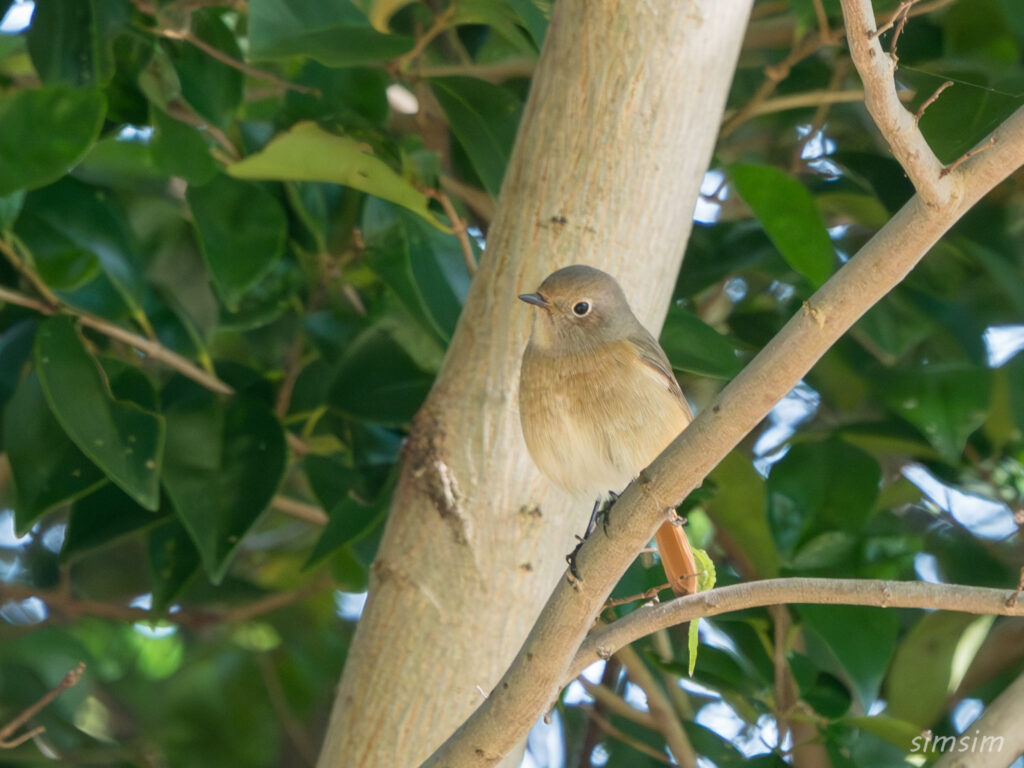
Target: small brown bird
(597, 397)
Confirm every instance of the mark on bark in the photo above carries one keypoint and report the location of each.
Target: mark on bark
(424, 455)
(384, 572)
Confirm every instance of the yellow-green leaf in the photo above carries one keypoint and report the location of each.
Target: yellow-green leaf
(309, 153)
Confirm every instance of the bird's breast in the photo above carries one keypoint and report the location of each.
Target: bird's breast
(591, 422)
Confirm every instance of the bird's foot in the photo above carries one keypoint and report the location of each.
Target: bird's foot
(574, 575)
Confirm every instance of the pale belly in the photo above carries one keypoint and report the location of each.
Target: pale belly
(592, 432)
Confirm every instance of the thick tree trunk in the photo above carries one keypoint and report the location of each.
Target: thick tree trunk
(614, 141)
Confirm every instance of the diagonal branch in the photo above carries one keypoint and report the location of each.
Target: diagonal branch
(897, 125)
(540, 668)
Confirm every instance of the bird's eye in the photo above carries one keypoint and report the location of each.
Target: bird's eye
(581, 308)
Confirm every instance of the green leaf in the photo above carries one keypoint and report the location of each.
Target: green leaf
(70, 227)
(379, 12)
(334, 32)
(307, 152)
(180, 150)
(422, 265)
(738, 506)
(242, 230)
(484, 118)
(10, 207)
(223, 465)
(70, 40)
(821, 487)
(692, 644)
(898, 732)
(173, 562)
(843, 629)
(790, 218)
(931, 662)
(44, 132)
(212, 87)
(706, 577)
(347, 520)
(377, 381)
(947, 404)
(123, 440)
(823, 691)
(48, 469)
(694, 346)
(103, 516)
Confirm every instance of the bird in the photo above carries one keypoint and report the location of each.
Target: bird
(598, 400)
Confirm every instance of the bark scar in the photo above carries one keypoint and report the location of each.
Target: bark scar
(424, 455)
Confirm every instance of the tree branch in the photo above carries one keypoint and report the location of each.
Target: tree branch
(149, 347)
(541, 667)
(7, 738)
(897, 124)
(609, 638)
(1001, 721)
(661, 711)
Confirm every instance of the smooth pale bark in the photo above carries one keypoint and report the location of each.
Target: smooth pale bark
(614, 141)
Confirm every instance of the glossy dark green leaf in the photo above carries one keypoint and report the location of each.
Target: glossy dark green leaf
(947, 404)
(334, 32)
(125, 441)
(422, 265)
(377, 381)
(790, 217)
(212, 87)
(70, 227)
(347, 520)
(823, 691)
(821, 487)
(48, 469)
(173, 562)
(484, 118)
(102, 517)
(330, 479)
(242, 231)
(224, 462)
(533, 18)
(44, 132)
(10, 207)
(15, 350)
(307, 152)
(738, 506)
(180, 150)
(930, 663)
(843, 629)
(70, 41)
(694, 346)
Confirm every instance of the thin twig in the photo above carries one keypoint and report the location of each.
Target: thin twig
(643, 596)
(290, 724)
(18, 263)
(931, 100)
(967, 155)
(616, 704)
(661, 710)
(481, 203)
(624, 737)
(6, 733)
(458, 227)
(300, 510)
(441, 22)
(293, 366)
(149, 347)
(241, 66)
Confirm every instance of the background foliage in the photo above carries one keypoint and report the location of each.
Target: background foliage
(250, 189)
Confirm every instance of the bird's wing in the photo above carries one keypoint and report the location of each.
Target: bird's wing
(652, 355)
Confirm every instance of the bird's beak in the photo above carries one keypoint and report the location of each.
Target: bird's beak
(534, 298)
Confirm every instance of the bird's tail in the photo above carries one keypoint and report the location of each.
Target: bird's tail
(677, 558)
